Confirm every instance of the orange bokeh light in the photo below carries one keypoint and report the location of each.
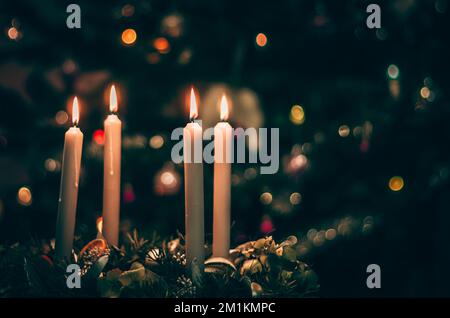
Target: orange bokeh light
(129, 36)
(162, 45)
(13, 33)
(261, 39)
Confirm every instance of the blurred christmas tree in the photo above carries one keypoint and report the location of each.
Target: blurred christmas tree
(362, 116)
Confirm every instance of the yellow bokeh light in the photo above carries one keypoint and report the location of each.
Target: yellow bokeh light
(396, 183)
(425, 92)
(266, 198)
(167, 178)
(297, 115)
(24, 196)
(261, 39)
(295, 198)
(156, 142)
(129, 36)
(344, 131)
(393, 71)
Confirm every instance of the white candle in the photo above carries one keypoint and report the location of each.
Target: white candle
(193, 186)
(68, 192)
(222, 183)
(111, 172)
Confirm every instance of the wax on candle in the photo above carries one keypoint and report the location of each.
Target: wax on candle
(222, 183)
(193, 182)
(111, 172)
(68, 193)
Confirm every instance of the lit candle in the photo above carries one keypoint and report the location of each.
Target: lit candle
(193, 187)
(111, 172)
(68, 192)
(222, 183)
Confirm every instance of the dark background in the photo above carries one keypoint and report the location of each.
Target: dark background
(319, 54)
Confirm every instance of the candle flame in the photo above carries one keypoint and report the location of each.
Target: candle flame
(193, 113)
(224, 108)
(75, 111)
(99, 224)
(113, 99)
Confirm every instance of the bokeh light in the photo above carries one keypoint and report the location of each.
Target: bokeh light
(250, 173)
(266, 226)
(261, 39)
(128, 10)
(396, 183)
(330, 234)
(295, 198)
(297, 115)
(61, 117)
(425, 92)
(185, 56)
(311, 234)
(13, 33)
(99, 137)
(172, 25)
(156, 142)
(344, 131)
(52, 165)
(128, 193)
(153, 58)
(129, 36)
(266, 198)
(393, 72)
(24, 196)
(394, 88)
(167, 180)
(161, 45)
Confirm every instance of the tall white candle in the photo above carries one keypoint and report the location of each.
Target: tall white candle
(111, 172)
(222, 183)
(193, 186)
(68, 192)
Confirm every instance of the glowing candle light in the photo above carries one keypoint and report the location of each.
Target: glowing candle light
(193, 182)
(99, 225)
(111, 172)
(222, 183)
(68, 194)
